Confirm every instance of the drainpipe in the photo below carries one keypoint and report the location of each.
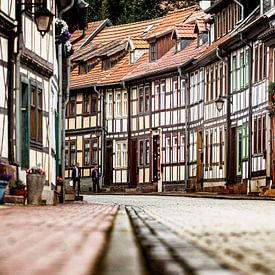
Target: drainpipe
(129, 132)
(62, 107)
(10, 99)
(103, 137)
(242, 7)
(186, 153)
(228, 113)
(17, 86)
(249, 112)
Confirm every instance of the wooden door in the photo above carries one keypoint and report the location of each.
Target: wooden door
(109, 163)
(156, 158)
(133, 164)
(199, 158)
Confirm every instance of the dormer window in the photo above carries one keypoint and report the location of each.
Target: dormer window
(132, 57)
(153, 52)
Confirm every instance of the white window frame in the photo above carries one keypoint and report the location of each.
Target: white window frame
(118, 104)
(175, 93)
(110, 105)
(121, 154)
(168, 149)
(182, 93)
(175, 148)
(124, 103)
(162, 95)
(157, 96)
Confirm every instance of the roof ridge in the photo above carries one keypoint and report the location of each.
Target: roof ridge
(183, 9)
(138, 22)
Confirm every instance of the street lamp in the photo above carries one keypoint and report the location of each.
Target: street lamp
(219, 103)
(42, 17)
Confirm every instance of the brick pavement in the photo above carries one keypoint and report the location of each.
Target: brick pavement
(63, 239)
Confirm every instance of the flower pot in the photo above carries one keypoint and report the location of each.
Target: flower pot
(3, 185)
(35, 184)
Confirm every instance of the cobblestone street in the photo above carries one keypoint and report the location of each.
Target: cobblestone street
(238, 233)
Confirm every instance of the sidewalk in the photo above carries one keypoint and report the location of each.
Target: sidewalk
(63, 239)
(184, 194)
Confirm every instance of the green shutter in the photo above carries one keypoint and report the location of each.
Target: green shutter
(25, 124)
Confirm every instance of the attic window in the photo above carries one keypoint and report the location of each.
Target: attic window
(132, 57)
(153, 51)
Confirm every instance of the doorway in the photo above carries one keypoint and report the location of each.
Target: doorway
(133, 164)
(156, 158)
(109, 163)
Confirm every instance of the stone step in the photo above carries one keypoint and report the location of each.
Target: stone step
(69, 197)
(14, 199)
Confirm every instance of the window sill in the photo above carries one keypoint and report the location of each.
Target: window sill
(36, 145)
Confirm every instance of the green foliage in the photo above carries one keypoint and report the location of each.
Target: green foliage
(128, 11)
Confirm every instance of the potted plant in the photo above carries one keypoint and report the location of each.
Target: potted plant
(18, 188)
(4, 181)
(35, 184)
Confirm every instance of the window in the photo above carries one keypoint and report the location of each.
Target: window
(94, 152)
(218, 26)
(71, 109)
(221, 80)
(182, 93)
(242, 70)
(121, 154)
(87, 153)
(229, 22)
(175, 93)
(141, 153)
(90, 151)
(224, 22)
(212, 83)
(157, 95)
(153, 51)
(147, 152)
(87, 104)
(147, 99)
(70, 153)
(124, 154)
(94, 104)
(118, 154)
(256, 64)
(124, 105)
(118, 104)
(234, 73)
(162, 95)
(168, 149)
(245, 141)
(211, 149)
(216, 81)
(36, 115)
(239, 154)
(109, 105)
(182, 148)
(141, 100)
(206, 151)
(207, 85)
(175, 149)
(259, 135)
(221, 147)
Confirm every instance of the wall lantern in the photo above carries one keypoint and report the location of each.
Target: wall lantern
(219, 103)
(42, 16)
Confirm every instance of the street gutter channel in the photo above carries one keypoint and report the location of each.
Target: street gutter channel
(123, 255)
(167, 253)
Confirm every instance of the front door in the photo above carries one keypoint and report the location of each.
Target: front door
(109, 163)
(199, 159)
(133, 164)
(156, 158)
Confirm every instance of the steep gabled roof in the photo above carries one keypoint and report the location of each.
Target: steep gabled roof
(78, 40)
(170, 20)
(137, 29)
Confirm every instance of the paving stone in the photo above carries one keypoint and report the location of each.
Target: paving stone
(63, 239)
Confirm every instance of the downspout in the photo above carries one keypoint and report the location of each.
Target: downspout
(17, 86)
(103, 136)
(242, 7)
(228, 114)
(249, 113)
(186, 154)
(11, 98)
(62, 107)
(129, 132)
